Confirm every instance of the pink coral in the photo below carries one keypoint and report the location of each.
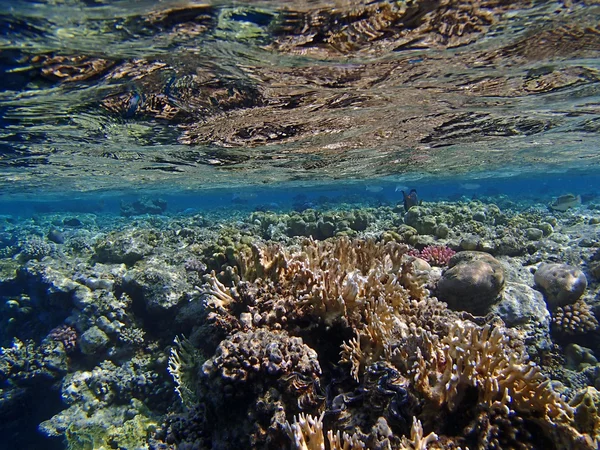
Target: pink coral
(414, 252)
(437, 255)
(65, 334)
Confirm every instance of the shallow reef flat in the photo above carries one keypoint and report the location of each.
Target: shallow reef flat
(463, 325)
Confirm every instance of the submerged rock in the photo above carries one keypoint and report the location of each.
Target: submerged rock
(56, 236)
(523, 307)
(143, 206)
(578, 357)
(561, 284)
(93, 341)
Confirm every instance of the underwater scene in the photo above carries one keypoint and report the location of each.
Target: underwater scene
(302, 225)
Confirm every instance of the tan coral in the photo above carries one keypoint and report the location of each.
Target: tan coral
(372, 287)
(481, 357)
(306, 433)
(332, 281)
(417, 440)
(344, 441)
(575, 318)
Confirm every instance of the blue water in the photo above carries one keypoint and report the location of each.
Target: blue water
(521, 191)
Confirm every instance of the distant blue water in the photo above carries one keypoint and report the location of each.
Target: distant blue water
(523, 190)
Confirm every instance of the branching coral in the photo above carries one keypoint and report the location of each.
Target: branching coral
(417, 439)
(437, 255)
(306, 433)
(482, 358)
(332, 282)
(403, 353)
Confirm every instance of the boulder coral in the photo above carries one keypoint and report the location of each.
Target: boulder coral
(473, 282)
(561, 284)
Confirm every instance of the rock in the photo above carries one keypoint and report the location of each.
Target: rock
(56, 236)
(159, 286)
(297, 226)
(510, 246)
(359, 221)
(546, 229)
(479, 216)
(420, 219)
(586, 406)
(470, 242)
(577, 357)
(72, 222)
(127, 249)
(93, 341)
(524, 308)
(326, 229)
(442, 231)
(594, 267)
(586, 243)
(143, 206)
(561, 284)
(534, 234)
(473, 282)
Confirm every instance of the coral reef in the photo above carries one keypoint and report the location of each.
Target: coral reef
(301, 342)
(66, 335)
(414, 360)
(143, 206)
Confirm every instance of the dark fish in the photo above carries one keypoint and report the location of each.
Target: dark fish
(410, 199)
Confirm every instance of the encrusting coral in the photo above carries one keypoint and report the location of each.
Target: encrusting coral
(407, 362)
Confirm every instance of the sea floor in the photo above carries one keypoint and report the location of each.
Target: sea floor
(464, 324)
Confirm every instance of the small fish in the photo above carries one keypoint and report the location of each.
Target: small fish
(133, 103)
(565, 202)
(410, 199)
(400, 188)
(374, 188)
(470, 186)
